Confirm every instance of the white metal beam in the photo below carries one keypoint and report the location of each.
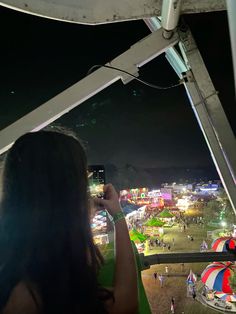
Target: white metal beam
(104, 11)
(204, 118)
(206, 106)
(202, 6)
(138, 55)
(210, 115)
(213, 105)
(170, 13)
(231, 9)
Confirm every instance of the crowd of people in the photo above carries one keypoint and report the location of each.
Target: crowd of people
(153, 243)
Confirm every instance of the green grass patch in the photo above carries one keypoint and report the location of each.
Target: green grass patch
(175, 283)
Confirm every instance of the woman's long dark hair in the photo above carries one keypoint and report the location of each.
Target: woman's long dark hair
(45, 235)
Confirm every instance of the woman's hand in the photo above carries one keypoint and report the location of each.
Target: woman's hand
(125, 279)
(111, 200)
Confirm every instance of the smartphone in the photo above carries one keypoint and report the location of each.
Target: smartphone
(96, 179)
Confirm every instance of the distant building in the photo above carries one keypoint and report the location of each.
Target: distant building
(207, 188)
(166, 193)
(184, 203)
(178, 188)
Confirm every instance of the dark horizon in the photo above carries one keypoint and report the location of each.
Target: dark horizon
(154, 177)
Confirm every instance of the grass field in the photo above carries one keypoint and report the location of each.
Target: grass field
(182, 244)
(175, 284)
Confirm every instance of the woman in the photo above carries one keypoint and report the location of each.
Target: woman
(48, 262)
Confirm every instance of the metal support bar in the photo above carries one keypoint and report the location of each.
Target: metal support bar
(170, 16)
(174, 258)
(138, 55)
(217, 153)
(210, 115)
(171, 54)
(104, 11)
(231, 10)
(206, 106)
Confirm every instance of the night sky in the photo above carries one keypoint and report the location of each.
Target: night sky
(143, 136)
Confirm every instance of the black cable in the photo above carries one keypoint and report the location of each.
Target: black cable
(136, 78)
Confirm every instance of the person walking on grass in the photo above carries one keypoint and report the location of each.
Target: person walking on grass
(194, 294)
(161, 278)
(167, 270)
(172, 305)
(173, 241)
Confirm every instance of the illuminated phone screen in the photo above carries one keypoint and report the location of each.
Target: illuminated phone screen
(96, 179)
(96, 190)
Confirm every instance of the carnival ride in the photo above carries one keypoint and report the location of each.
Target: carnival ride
(224, 244)
(217, 290)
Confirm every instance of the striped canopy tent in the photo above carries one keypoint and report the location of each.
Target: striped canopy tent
(137, 236)
(154, 222)
(225, 296)
(221, 244)
(192, 278)
(165, 214)
(216, 276)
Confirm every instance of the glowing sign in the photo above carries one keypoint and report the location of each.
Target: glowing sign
(154, 193)
(134, 194)
(166, 194)
(209, 187)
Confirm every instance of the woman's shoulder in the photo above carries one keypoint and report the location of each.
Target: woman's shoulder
(23, 300)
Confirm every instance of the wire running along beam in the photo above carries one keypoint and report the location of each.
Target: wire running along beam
(138, 55)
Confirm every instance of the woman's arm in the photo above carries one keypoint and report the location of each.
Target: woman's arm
(125, 281)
